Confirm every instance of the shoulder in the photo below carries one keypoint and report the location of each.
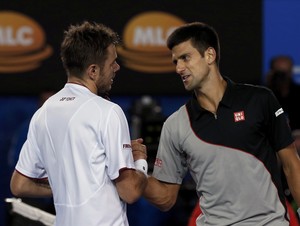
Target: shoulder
(105, 104)
(178, 120)
(251, 88)
(113, 110)
(177, 115)
(251, 91)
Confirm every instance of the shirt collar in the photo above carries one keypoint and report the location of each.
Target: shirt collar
(226, 100)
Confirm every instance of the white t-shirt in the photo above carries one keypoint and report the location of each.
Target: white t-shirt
(79, 141)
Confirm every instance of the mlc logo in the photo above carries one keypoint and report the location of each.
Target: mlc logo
(22, 43)
(145, 38)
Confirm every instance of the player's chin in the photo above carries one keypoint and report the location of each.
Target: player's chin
(188, 88)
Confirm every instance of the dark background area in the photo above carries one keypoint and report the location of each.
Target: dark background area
(237, 22)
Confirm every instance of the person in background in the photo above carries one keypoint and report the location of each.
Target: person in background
(228, 136)
(283, 63)
(78, 147)
(280, 80)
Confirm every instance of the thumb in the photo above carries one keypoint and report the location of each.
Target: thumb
(139, 140)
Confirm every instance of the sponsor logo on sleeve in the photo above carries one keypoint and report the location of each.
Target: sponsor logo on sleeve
(279, 112)
(126, 146)
(158, 162)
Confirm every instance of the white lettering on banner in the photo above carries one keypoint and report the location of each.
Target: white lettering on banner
(150, 36)
(22, 36)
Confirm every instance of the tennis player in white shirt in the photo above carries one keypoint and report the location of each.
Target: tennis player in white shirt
(78, 147)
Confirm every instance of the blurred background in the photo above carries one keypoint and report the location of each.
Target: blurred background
(147, 87)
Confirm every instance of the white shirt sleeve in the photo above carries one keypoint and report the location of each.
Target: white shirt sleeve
(29, 163)
(117, 143)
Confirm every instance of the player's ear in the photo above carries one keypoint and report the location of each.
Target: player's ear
(92, 71)
(210, 55)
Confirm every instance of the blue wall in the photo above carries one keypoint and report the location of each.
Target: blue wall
(281, 32)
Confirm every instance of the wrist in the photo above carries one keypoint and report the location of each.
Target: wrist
(141, 165)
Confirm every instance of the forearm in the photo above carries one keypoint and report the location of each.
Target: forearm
(291, 167)
(293, 179)
(22, 186)
(37, 189)
(161, 195)
(130, 185)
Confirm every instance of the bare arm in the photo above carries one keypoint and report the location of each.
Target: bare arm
(291, 167)
(22, 186)
(160, 194)
(131, 183)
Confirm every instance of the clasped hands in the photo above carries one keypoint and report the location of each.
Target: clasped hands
(139, 150)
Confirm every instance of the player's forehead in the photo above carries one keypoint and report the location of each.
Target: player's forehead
(182, 49)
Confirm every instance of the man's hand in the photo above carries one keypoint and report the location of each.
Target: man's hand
(139, 150)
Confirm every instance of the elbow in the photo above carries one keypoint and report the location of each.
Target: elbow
(16, 189)
(164, 207)
(17, 185)
(132, 200)
(130, 186)
(129, 195)
(132, 193)
(164, 203)
(133, 197)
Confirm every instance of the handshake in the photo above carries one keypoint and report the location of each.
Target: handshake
(139, 152)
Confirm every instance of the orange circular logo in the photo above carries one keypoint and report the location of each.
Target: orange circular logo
(145, 38)
(22, 43)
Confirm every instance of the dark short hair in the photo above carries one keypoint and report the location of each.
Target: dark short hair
(85, 44)
(202, 37)
(280, 57)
